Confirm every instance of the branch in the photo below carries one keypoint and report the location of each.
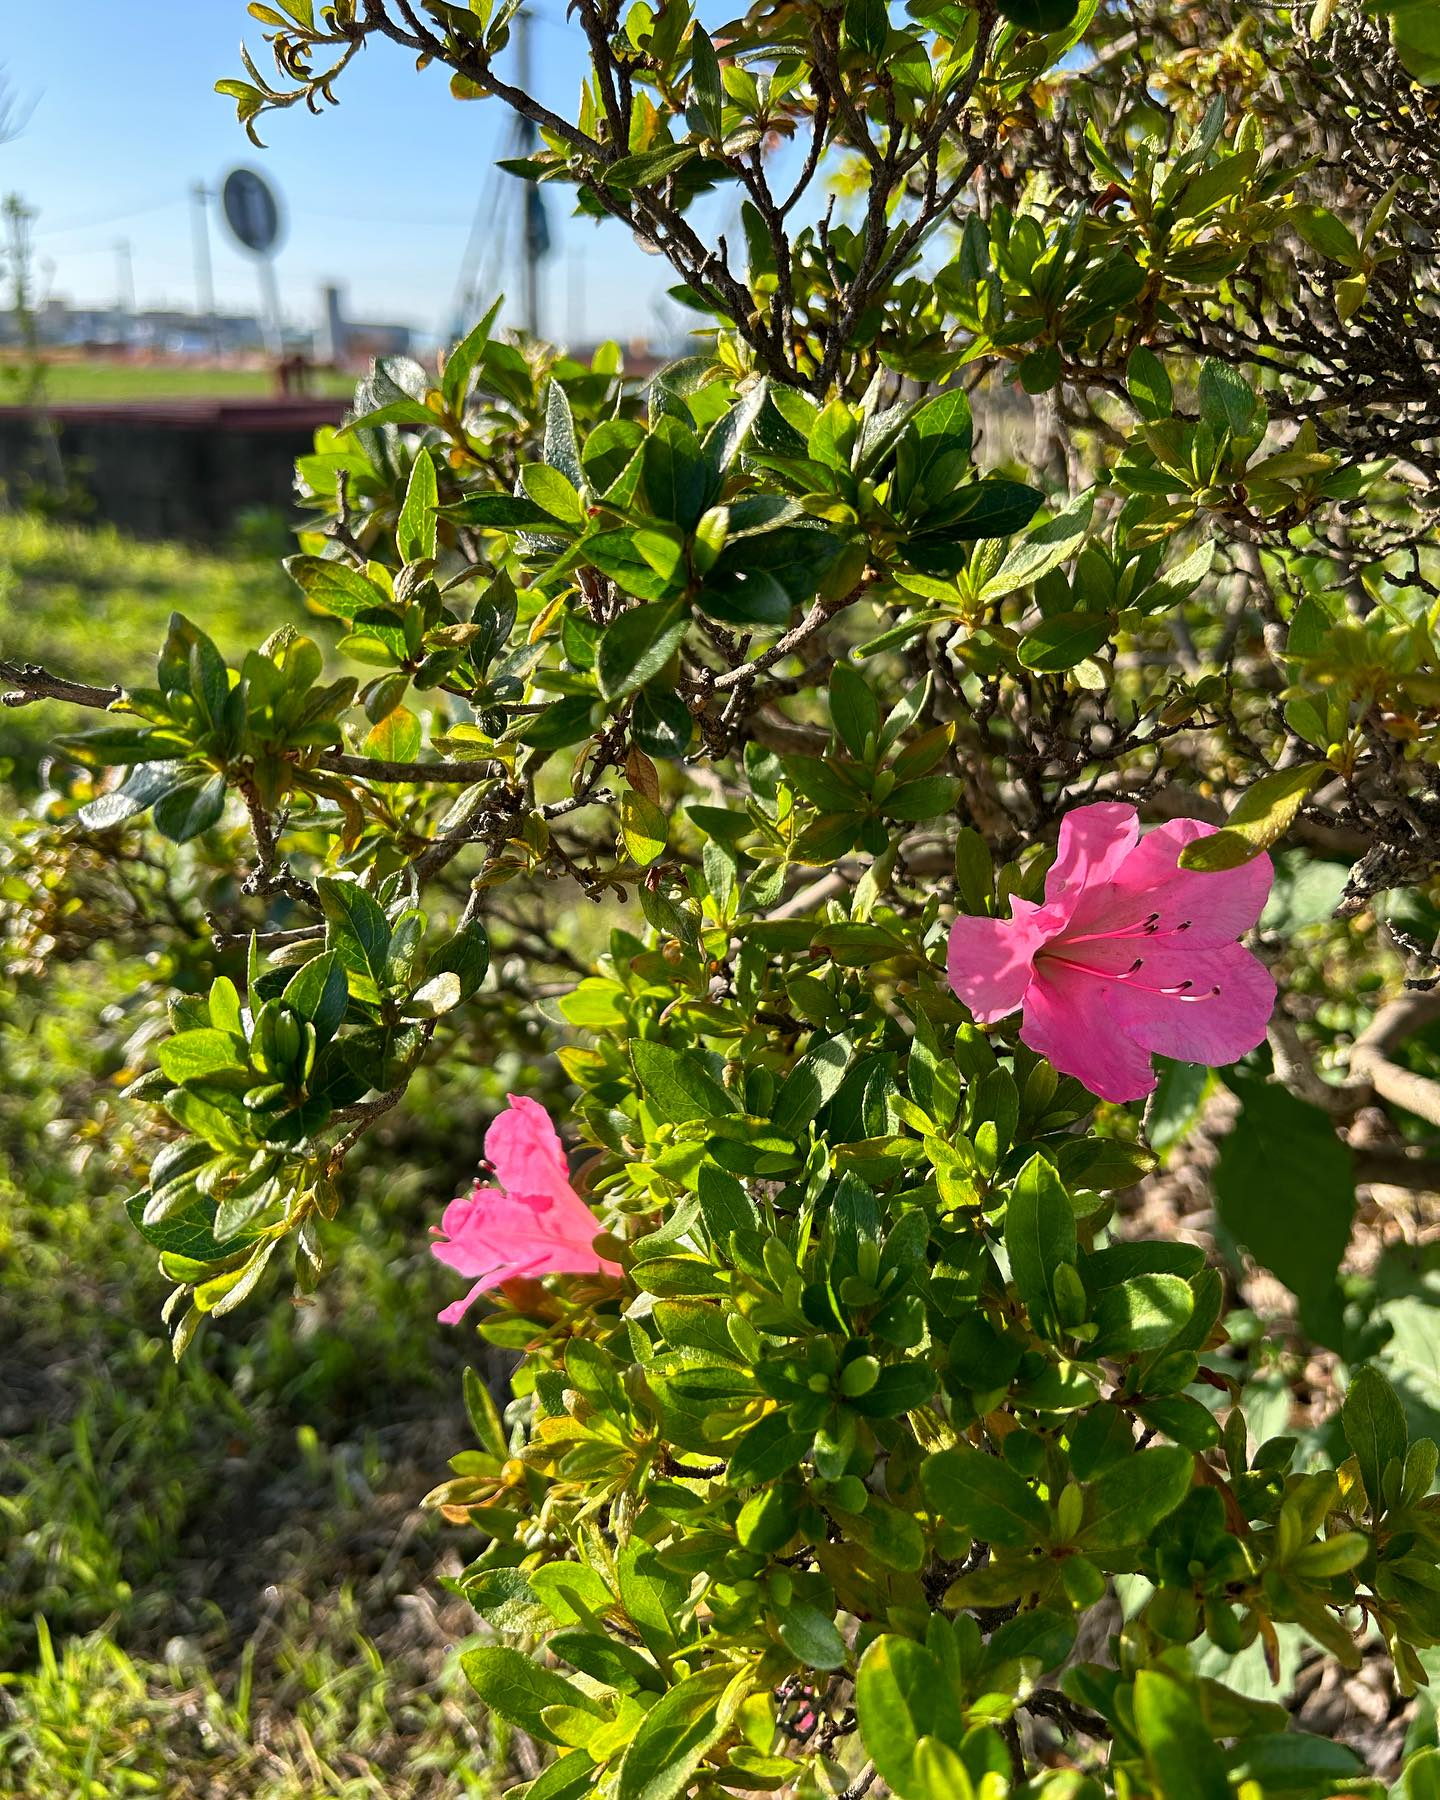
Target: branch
(29, 682)
(1370, 1059)
(819, 614)
(375, 768)
(1050, 1703)
(1296, 1072)
(1398, 1169)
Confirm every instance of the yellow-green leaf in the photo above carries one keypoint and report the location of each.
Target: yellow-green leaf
(644, 828)
(1263, 816)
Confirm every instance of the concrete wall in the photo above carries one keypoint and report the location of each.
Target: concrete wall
(181, 469)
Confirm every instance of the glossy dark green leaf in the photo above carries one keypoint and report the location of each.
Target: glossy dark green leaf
(638, 645)
(986, 1496)
(1373, 1421)
(183, 812)
(1280, 1163)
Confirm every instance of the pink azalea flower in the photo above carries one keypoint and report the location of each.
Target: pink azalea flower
(1129, 956)
(534, 1223)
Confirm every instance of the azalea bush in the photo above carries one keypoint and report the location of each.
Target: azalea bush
(953, 752)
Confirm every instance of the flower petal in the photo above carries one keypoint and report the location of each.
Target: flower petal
(457, 1309)
(1067, 1020)
(990, 962)
(524, 1149)
(1094, 843)
(1223, 1012)
(1209, 909)
(484, 1230)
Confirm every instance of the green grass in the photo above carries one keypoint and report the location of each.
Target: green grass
(215, 1580)
(93, 604)
(97, 380)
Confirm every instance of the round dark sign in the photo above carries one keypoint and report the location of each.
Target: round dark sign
(251, 210)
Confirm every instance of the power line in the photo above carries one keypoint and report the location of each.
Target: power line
(111, 218)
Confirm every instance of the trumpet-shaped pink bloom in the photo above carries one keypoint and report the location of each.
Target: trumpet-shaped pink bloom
(534, 1223)
(1129, 956)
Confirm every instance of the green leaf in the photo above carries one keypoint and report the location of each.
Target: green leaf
(498, 512)
(433, 998)
(1226, 400)
(560, 725)
(1181, 1755)
(1149, 385)
(1043, 549)
(1063, 640)
(647, 167)
(603, 1657)
(146, 783)
(672, 1738)
(1415, 32)
(1141, 1314)
(644, 827)
(553, 493)
(927, 798)
(854, 708)
(569, 1777)
(1291, 1761)
(867, 25)
(705, 79)
(1039, 1235)
(1281, 1163)
(562, 450)
(1420, 1779)
(395, 738)
(811, 1635)
(335, 587)
(768, 1449)
(184, 812)
(992, 508)
(986, 1496)
(1039, 15)
(1324, 233)
(520, 1690)
(900, 1694)
(940, 1772)
(1127, 1503)
(1264, 814)
(195, 1055)
(1373, 1421)
(484, 1416)
(660, 722)
(359, 932)
(415, 530)
(674, 474)
(814, 1080)
(189, 1233)
(637, 646)
(505, 1599)
(676, 1083)
(461, 363)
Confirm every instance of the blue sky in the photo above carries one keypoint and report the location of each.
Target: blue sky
(380, 192)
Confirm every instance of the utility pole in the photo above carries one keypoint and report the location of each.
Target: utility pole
(575, 300)
(535, 234)
(201, 196)
(18, 246)
(125, 287)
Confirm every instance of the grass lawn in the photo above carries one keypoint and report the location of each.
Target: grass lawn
(92, 603)
(100, 380)
(216, 1582)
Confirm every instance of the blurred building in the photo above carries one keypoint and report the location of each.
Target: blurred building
(172, 331)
